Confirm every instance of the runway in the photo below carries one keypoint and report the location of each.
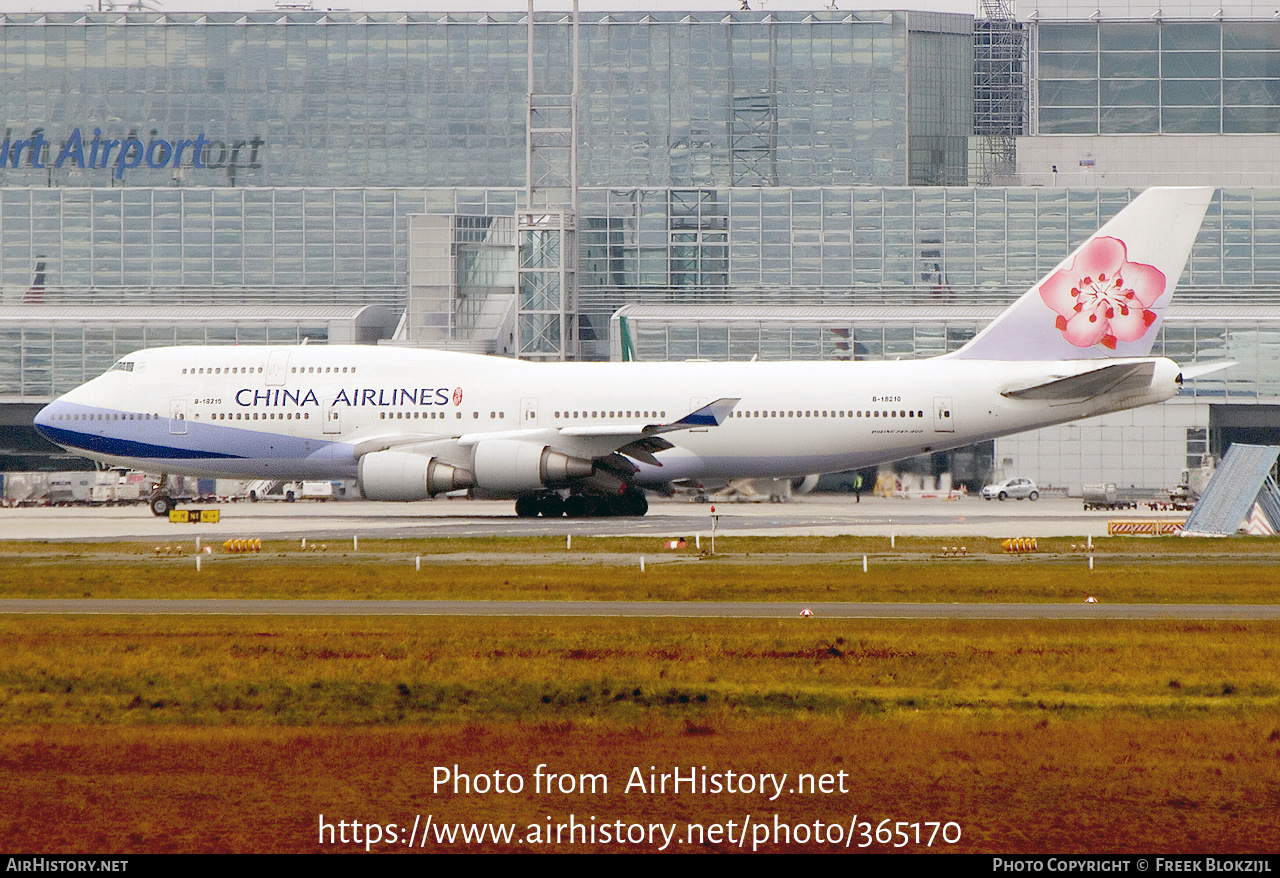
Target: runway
(812, 515)
(643, 609)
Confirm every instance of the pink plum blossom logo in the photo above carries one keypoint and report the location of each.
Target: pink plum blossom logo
(1102, 297)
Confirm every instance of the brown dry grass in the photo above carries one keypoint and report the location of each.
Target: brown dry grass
(668, 577)
(371, 671)
(215, 734)
(1102, 784)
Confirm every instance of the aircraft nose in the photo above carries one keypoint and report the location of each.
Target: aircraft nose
(45, 418)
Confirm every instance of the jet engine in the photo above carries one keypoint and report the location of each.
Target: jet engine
(512, 466)
(401, 475)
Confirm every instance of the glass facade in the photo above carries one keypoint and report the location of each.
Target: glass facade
(801, 337)
(1158, 77)
(1250, 339)
(38, 362)
(226, 238)
(839, 245)
(691, 246)
(737, 245)
(723, 159)
(430, 99)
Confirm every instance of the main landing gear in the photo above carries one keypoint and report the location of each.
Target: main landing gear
(549, 504)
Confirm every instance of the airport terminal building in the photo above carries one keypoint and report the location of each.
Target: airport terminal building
(826, 184)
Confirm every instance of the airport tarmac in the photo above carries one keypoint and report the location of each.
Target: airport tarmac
(811, 515)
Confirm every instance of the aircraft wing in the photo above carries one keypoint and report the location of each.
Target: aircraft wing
(638, 440)
(710, 415)
(642, 441)
(388, 441)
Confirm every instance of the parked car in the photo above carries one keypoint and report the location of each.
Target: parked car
(1018, 489)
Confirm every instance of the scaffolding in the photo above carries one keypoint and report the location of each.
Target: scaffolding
(999, 92)
(546, 325)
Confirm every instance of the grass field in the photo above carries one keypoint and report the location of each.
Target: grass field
(1132, 570)
(136, 734)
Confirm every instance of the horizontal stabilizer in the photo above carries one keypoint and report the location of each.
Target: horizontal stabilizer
(1096, 382)
(1199, 370)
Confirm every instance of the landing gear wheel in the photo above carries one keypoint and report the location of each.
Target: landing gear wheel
(162, 505)
(527, 506)
(632, 503)
(551, 505)
(576, 506)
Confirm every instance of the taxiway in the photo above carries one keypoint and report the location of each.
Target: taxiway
(812, 515)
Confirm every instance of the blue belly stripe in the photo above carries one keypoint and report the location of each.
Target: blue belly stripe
(113, 447)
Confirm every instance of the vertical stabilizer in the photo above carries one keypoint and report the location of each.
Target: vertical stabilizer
(628, 346)
(1107, 299)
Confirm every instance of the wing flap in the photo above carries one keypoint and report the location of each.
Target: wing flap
(644, 449)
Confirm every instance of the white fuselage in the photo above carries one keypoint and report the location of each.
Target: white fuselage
(311, 411)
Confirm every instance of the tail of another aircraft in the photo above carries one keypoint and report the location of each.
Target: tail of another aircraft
(1107, 298)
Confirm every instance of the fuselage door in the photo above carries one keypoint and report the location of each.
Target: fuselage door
(177, 416)
(277, 368)
(332, 419)
(942, 415)
(529, 412)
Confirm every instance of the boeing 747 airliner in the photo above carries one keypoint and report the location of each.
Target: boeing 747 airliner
(586, 438)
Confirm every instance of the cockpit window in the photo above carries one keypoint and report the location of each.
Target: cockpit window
(122, 366)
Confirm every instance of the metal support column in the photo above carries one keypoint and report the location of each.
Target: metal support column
(546, 229)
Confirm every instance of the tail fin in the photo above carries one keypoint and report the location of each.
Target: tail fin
(35, 293)
(628, 346)
(1106, 299)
